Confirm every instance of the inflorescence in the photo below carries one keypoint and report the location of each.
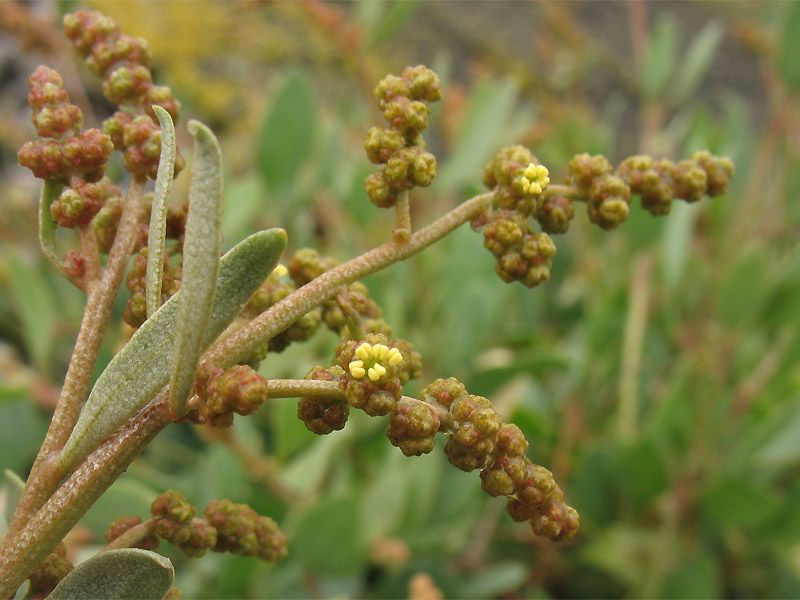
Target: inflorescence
(405, 102)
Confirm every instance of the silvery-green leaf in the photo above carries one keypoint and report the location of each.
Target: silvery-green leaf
(11, 490)
(125, 574)
(201, 248)
(143, 366)
(156, 236)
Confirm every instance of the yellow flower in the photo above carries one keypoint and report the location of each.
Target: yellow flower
(374, 360)
(535, 179)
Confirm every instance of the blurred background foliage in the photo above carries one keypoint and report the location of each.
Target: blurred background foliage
(656, 373)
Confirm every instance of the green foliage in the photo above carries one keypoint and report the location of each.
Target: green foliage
(699, 502)
(143, 367)
(125, 574)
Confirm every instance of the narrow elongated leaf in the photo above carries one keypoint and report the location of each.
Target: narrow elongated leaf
(288, 133)
(696, 62)
(397, 14)
(37, 313)
(47, 226)
(201, 248)
(128, 573)
(143, 366)
(158, 212)
(659, 62)
(490, 108)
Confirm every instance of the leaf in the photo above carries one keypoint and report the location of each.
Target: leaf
(645, 471)
(37, 311)
(398, 14)
(47, 226)
(659, 62)
(201, 249)
(22, 429)
(676, 242)
(384, 498)
(490, 107)
(129, 573)
(288, 132)
(496, 581)
(696, 576)
(156, 236)
(329, 541)
(142, 367)
(736, 502)
(11, 490)
(782, 449)
(789, 47)
(696, 62)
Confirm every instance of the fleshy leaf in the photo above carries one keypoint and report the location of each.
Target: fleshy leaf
(143, 366)
(201, 248)
(156, 237)
(128, 573)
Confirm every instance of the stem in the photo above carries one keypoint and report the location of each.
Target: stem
(351, 315)
(91, 254)
(402, 232)
(36, 533)
(24, 551)
(333, 392)
(572, 192)
(101, 296)
(133, 536)
(278, 317)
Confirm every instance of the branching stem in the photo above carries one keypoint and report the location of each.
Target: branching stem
(101, 296)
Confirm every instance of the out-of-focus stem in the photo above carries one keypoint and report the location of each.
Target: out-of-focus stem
(635, 325)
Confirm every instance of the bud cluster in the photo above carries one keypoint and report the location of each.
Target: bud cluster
(522, 254)
(319, 416)
(49, 573)
(412, 427)
(135, 312)
(372, 369)
(657, 183)
(518, 183)
(238, 389)
(176, 523)
(478, 439)
(68, 155)
(362, 307)
(241, 530)
(405, 102)
(122, 524)
(123, 62)
(227, 527)
(272, 291)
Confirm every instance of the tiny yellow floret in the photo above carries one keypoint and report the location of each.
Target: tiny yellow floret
(535, 179)
(372, 360)
(280, 271)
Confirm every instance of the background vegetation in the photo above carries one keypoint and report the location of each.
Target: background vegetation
(655, 373)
